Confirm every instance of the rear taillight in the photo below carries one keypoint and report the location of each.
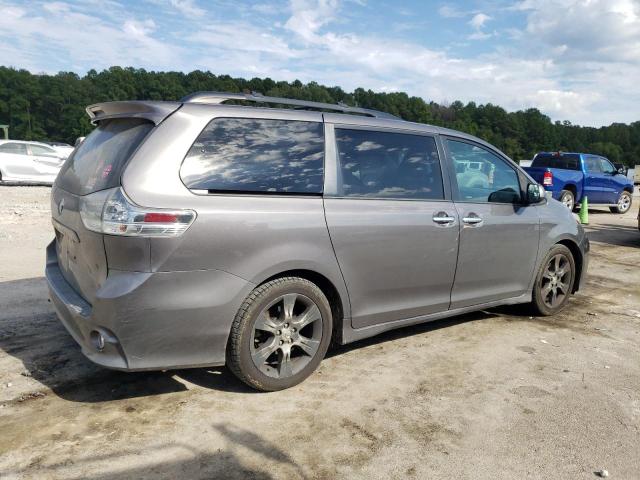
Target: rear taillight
(111, 212)
(547, 179)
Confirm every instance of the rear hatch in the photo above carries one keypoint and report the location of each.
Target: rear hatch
(96, 165)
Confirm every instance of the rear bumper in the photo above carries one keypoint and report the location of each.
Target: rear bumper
(151, 321)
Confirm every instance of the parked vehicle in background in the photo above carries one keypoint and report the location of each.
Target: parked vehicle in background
(631, 173)
(198, 233)
(571, 176)
(63, 148)
(29, 162)
(636, 175)
(621, 168)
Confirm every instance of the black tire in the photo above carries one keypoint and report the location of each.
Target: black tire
(540, 304)
(568, 198)
(244, 343)
(624, 203)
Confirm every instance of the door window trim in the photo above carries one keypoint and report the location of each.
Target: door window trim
(506, 160)
(332, 164)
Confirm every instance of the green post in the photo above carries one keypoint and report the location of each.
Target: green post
(584, 211)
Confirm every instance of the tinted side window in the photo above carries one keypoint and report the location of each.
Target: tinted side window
(593, 164)
(388, 165)
(257, 155)
(607, 166)
(482, 176)
(19, 148)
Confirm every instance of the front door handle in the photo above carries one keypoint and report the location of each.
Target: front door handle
(472, 219)
(443, 218)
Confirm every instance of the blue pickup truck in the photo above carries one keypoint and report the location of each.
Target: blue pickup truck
(570, 176)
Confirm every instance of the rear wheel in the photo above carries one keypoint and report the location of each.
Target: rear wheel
(554, 282)
(624, 203)
(568, 199)
(280, 334)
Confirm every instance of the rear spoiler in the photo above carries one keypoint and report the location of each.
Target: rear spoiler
(155, 112)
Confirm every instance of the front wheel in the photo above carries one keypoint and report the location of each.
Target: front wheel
(280, 334)
(554, 281)
(624, 203)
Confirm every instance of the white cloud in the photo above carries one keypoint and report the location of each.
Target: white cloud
(573, 59)
(187, 7)
(603, 30)
(87, 39)
(308, 16)
(450, 11)
(139, 30)
(233, 37)
(478, 20)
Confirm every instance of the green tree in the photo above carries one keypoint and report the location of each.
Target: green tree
(52, 107)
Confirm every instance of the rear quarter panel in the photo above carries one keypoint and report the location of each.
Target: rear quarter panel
(251, 236)
(562, 179)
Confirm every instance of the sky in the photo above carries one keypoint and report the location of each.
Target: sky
(576, 60)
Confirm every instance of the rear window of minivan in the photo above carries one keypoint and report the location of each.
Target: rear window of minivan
(97, 163)
(251, 155)
(566, 161)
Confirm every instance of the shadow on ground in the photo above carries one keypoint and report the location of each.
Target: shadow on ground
(51, 356)
(178, 461)
(618, 235)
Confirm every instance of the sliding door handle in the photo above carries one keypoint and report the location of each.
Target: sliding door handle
(443, 218)
(472, 219)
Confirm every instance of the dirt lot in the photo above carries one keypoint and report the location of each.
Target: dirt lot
(488, 395)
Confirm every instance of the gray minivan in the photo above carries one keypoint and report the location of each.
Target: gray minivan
(201, 233)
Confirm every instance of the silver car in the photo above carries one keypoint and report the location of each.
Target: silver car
(29, 162)
(202, 233)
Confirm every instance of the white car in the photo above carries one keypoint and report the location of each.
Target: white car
(64, 149)
(29, 162)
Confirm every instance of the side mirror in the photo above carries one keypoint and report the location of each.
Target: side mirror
(621, 171)
(535, 193)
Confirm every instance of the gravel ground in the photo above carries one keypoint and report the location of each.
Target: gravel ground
(493, 394)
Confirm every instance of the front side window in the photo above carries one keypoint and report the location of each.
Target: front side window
(607, 166)
(388, 165)
(593, 164)
(257, 156)
(482, 176)
(15, 148)
(39, 150)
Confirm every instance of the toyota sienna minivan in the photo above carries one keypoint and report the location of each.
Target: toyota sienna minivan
(253, 234)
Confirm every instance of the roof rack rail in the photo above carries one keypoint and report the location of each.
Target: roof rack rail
(221, 97)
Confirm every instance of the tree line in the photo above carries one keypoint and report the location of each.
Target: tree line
(51, 108)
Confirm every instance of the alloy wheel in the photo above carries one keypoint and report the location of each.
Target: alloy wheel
(286, 335)
(556, 281)
(624, 203)
(568, 201)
